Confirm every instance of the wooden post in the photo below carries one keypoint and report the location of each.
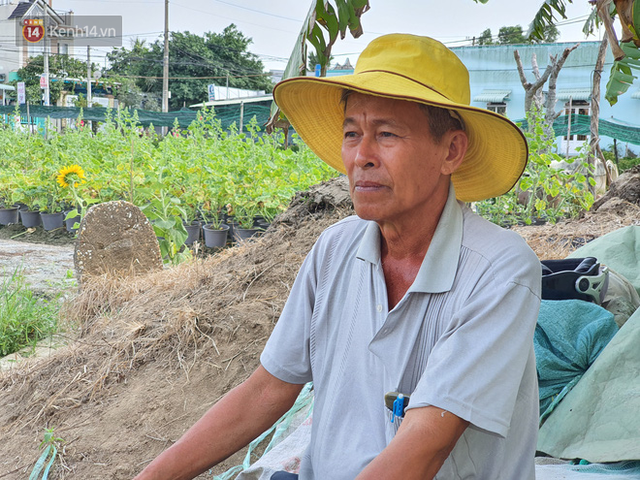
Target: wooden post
(569, 125)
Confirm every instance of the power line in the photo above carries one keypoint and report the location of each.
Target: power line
(155, 77)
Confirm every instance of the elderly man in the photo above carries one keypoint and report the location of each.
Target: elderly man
(415, 319)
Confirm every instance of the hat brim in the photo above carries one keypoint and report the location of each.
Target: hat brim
(495, 159)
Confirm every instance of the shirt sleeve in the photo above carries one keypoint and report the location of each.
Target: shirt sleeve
(476, 368)
(287, 352)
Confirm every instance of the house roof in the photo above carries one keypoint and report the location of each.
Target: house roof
(20, 10)
(491, 95)
(234, 101)
(582, 93)
(23, 8)
(636, 95)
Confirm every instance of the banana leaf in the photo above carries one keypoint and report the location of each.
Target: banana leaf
(622, 77)
(324, 22)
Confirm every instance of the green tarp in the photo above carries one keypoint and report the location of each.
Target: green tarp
(599, 418)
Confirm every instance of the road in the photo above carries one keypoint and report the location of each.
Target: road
(46, 268)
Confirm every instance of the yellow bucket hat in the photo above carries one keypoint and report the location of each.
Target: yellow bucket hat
(416, 69)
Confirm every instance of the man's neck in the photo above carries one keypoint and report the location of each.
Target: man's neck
(402, 251)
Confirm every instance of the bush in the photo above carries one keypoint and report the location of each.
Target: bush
(551, 187)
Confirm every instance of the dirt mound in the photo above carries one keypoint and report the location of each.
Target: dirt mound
(151, 354)
(625, 190)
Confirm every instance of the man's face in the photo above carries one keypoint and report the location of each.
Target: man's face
(397, 172)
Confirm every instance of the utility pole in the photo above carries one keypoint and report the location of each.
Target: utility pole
(165, 73)
(88, 76)
(47, 92)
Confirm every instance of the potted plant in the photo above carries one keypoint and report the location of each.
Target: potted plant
(215, 231)
(8, 209)
(32, 196)
(245, 215)
(165, 213)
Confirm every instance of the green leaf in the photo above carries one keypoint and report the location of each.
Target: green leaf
(544, 17)
(621, 77)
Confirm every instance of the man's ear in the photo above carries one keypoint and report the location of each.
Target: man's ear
(458, 142)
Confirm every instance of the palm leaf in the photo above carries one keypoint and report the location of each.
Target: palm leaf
(545, 17)
(593, 22)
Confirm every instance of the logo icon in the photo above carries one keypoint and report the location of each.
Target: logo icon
(33, 29)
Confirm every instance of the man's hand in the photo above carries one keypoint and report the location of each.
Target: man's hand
(239, 417)
(423, 442)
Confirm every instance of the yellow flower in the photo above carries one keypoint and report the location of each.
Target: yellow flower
(71, 174)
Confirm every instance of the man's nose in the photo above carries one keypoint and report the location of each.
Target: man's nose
(366, 154)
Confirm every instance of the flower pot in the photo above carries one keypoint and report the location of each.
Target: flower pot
(244, 234)
(194, 233)
(215, 237)
(70, 222)
(233, 225)
(8, 215)
(52, 221)
(30, 218)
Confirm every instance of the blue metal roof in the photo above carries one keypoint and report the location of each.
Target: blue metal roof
(582, 93)
(490, 95)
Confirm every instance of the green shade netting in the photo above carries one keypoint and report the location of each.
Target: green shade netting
(581, 125)
(227, 114)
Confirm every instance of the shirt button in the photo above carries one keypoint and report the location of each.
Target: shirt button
(379, 308)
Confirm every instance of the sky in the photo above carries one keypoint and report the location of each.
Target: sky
(274, 24)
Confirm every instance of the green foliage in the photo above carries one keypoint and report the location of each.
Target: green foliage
(60, 67)
(166, 215)
(622, 76)
(51, 444)
(324, 22)
(24, 318)
(545, 16)
(485, 38)
(196, 173)
(545, 191)
(629, 160)
(191, 56)
(313, 61)
(511, 35)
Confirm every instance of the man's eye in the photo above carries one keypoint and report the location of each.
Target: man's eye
(387, 134)
(349, 134)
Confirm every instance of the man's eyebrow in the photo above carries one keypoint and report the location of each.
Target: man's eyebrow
(349, 121)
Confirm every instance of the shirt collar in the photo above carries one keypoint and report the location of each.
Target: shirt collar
(440, 264)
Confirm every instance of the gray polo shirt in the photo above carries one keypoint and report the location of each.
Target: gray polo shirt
(460, 339)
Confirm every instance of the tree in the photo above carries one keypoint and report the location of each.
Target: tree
(550, 35)
(219, 58)
(626, 52)
(313, 61)
(511, 35)
(533, 90)
(485, 38)
(60, 67)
